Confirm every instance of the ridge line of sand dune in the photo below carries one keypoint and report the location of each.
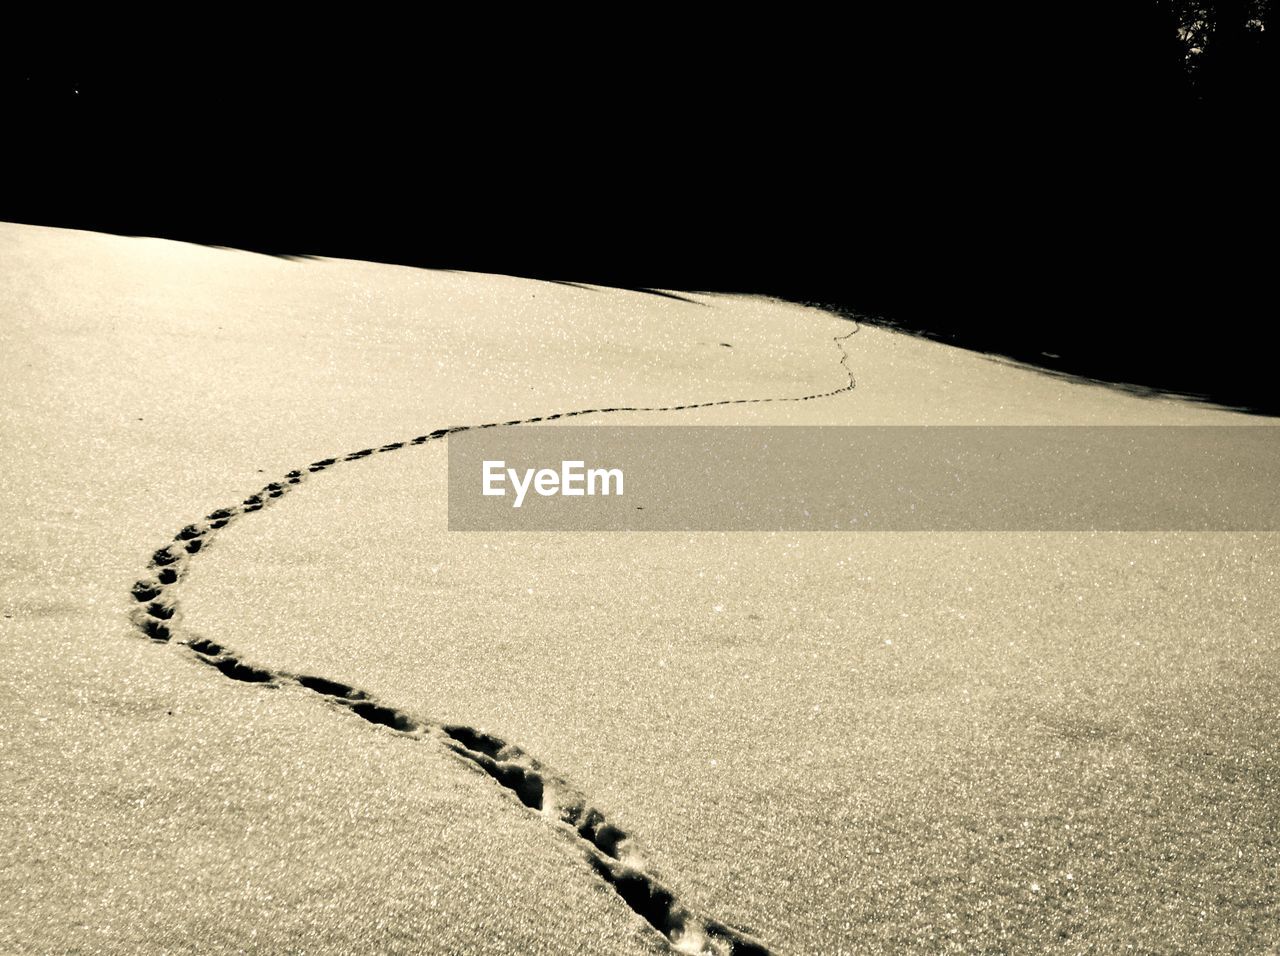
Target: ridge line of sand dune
(612, 854)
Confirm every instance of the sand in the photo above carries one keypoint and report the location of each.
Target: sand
(832, 743)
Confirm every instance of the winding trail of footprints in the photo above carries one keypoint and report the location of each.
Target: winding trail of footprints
(610, 852)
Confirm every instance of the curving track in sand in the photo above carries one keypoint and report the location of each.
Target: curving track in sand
(613, 855)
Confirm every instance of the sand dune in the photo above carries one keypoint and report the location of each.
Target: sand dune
(806, 743)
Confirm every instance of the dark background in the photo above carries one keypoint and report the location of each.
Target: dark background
(1072, 186)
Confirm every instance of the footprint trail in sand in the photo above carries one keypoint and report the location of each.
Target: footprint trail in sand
(612, 854)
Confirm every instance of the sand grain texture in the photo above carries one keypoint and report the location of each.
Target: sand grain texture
(849, 743)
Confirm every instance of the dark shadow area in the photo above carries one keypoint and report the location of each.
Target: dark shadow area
(1083, 189)
(664, 294)
(238, 670)
(329, 688)
(661, 293)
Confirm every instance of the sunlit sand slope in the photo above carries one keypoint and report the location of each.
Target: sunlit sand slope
(321, 722)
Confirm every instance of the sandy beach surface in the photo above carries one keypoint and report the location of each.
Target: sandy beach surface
(832, 743)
